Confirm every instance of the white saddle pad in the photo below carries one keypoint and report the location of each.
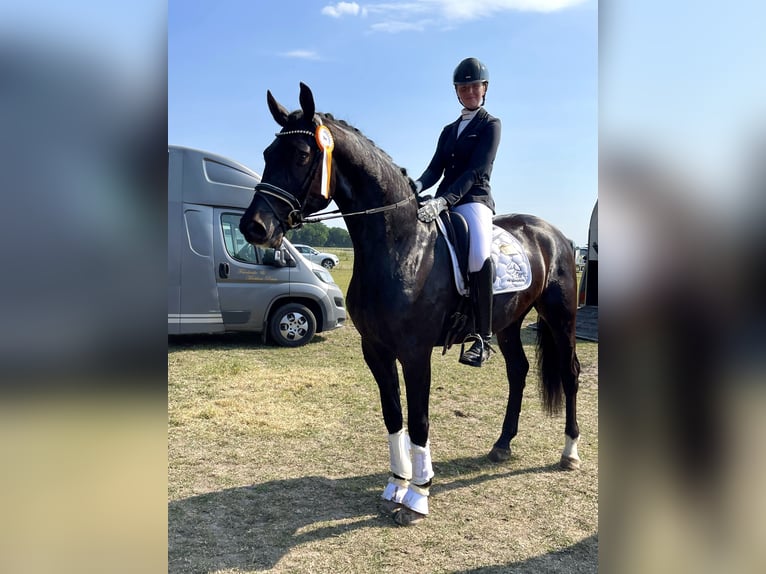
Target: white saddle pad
(512, 271)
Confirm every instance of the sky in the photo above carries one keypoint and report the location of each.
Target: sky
(386, 68)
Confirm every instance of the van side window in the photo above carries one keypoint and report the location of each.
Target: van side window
(235, 243)
(241, 250)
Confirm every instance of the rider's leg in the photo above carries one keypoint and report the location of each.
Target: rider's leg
(481, 298)
(481, 277)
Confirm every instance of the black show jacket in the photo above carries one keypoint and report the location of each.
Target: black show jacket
(465, 161)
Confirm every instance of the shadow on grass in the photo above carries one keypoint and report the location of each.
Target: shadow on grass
(253, 527)
(580, 558)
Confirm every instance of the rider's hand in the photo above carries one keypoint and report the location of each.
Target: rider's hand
(431, 209)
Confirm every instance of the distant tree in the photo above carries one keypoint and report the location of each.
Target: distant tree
(314, 234)
(338, 237)
(319, 235)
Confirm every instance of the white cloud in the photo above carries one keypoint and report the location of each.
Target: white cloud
(461, 10)
(417, 15)
(301, 54)
(394, 26)
(341, 9)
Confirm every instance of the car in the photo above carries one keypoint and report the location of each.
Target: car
(326, 260)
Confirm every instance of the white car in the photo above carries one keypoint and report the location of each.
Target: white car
(326, 260)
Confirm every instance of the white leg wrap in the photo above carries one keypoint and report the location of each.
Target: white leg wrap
(395, 490)
(422, 471)
(399, 453)
(570, 447)
(416, 499)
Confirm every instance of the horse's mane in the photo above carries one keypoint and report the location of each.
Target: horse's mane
(370, 147)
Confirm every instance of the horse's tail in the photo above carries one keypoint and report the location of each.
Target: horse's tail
(549, 368)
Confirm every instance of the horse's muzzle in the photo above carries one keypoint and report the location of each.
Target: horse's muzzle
(260, 229)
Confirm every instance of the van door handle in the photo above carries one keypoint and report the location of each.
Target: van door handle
(223, 270)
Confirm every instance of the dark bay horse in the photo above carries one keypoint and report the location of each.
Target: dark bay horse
(402, 291)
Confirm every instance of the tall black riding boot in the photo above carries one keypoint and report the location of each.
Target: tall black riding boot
(481, 298)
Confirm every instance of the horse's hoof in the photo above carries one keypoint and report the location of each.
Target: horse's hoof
(498, 454)
(389, 506)
(407, 517)
(569, 463)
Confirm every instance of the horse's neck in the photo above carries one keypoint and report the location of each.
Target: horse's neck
(371, 181)
(392, 239)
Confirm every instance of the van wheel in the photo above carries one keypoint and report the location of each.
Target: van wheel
(328, 264)
(292, 325)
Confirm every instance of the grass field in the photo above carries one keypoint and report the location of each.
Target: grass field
(277, 458)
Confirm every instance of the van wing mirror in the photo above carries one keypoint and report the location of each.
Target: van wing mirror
(278, 258)
(287, 258)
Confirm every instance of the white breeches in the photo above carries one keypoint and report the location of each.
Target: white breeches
(479, 219)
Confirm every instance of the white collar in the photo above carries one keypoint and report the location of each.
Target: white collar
(467, 114)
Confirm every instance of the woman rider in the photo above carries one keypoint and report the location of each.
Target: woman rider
(464, 155)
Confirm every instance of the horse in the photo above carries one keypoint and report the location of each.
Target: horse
(402, 290)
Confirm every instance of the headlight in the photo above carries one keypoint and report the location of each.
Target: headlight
(324, 276)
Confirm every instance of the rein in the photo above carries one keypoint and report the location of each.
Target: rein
(335, 214)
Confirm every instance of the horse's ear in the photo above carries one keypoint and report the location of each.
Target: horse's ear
(307, 102)
(278, 112)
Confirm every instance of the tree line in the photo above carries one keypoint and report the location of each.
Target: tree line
(319, 235)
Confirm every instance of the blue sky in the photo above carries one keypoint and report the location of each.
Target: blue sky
(386, 68)
(685, 81)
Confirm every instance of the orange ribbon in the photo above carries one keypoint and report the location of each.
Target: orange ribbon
(326, 144)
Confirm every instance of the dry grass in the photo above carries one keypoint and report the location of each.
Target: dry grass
(277, 458)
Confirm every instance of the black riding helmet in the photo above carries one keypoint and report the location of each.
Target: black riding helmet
(469, 71)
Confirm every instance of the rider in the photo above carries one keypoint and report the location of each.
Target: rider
(464, 155)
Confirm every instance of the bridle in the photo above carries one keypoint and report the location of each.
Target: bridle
(295, 218)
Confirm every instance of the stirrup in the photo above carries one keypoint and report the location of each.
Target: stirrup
(477, 354)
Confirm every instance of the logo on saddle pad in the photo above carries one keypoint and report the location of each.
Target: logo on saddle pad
(512, 271)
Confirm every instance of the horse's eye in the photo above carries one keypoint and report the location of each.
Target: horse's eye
(302, 157)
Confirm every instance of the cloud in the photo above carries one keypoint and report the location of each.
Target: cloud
(342, 9)
(417, 15)
(394, 26)
(461, 10)
(301, 54)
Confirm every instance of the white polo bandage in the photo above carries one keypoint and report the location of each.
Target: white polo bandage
(399, 452)
(422, 471)
(570, 447)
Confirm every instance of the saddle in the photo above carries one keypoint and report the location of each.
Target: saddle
(511, 264)
(454, 228)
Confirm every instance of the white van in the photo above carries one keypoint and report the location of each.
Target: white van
(217, 282)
